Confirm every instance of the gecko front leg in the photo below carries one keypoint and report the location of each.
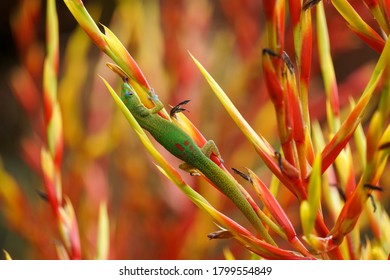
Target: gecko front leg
(209, 148)
(158, 106)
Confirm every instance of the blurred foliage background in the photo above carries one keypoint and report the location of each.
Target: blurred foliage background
(103, 160)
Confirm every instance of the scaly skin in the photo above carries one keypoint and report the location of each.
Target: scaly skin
(182, 146)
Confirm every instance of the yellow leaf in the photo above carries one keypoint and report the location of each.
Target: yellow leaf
(103, 236)
(7, 255)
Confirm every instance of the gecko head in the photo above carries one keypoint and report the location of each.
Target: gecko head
(127, 90)
(128, 95)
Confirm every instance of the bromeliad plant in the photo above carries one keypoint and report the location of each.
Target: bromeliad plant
(316, 168)
(322, 190)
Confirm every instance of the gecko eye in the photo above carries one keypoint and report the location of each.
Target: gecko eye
(128, 93)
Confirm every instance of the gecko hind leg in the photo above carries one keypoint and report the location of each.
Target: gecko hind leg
(189, 168)
(211, 148)
(208, 149)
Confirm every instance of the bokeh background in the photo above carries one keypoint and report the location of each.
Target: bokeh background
(104, 160)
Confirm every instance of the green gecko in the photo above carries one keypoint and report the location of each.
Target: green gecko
(182, 146)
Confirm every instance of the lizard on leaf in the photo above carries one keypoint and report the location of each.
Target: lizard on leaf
(182, 146)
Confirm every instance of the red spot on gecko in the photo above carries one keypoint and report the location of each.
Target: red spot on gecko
(180, 147)
(186, 143)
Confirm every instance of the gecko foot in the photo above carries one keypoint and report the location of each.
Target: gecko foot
(152, 95)
(209, 148)
(189, 168)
